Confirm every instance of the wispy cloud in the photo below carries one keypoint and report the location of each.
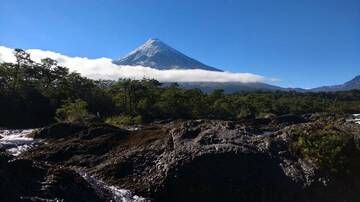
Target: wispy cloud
(103, 68)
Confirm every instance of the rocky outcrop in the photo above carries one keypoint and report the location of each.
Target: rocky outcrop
(205, 160)
(26, 180)
(17, 178)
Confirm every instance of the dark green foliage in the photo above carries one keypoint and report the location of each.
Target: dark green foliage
(73, 111)
(325, 146)
(124, 120)
(149, 100)
(31, 92)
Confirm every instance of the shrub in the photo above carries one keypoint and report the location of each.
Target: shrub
(123, 120)
(325, 147)
(73, 111)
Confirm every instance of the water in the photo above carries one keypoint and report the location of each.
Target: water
(355, 118)
(16, 141)
(118, 195)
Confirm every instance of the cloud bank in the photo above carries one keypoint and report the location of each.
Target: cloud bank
(103, 68)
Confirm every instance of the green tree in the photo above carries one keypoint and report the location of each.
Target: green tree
(73, 111)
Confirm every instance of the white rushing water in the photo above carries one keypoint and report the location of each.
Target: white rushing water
(118, 195)
(16, 141)
(357, 118)
(354, 118)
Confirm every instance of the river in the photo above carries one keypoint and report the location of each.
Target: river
(354, 118)
(17, 141)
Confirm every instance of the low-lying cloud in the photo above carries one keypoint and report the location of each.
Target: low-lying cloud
(103, 68)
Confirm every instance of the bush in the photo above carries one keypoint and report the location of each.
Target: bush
(124, 120)
(325, 147)
(73, 111)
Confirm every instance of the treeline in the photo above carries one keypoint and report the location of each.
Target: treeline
(34, 94)
(31, 92)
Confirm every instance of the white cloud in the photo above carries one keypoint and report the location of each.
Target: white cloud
(103, 68)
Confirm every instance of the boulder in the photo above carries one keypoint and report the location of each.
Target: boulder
(25, 180)
(59, 130)
(67, 185)
(287, 119)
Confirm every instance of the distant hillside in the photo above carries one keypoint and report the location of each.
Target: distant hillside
(350, 85)
(229, 87)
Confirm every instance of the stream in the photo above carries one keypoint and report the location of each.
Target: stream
(16, 141)
(354, 118)
(118, 195)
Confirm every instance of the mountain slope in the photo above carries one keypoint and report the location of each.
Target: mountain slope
(229, 87)
(156, 54)
(350, 85)
(233, 87)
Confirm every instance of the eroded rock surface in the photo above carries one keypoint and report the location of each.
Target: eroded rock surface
(202, 160)
(25, 180)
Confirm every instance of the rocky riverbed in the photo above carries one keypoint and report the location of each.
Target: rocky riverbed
(16, 141)
(189, 160)
(28, 180)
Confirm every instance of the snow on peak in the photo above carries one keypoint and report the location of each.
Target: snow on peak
(150, 48)
(156, 54)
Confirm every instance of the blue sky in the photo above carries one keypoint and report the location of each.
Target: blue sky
(304, 43)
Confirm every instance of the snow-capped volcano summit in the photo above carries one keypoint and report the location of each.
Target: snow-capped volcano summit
(156, 54)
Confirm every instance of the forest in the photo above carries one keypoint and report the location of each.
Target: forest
(35, 94)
